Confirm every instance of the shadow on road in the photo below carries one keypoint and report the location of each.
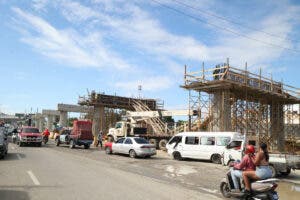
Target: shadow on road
(13, 156)
(13, 195)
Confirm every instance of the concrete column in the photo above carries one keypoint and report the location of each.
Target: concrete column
(221, 111)
(277, 125)
(98, 121)
(50, 122)
(41, 124)
(63, 118)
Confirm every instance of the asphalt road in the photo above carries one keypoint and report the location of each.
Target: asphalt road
(57, 173)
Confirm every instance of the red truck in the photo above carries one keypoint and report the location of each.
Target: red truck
(81, 134)
(29, 135)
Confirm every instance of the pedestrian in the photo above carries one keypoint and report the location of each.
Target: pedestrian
(100, 139)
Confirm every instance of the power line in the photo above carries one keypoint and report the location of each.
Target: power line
(232, 21)
(223, 28)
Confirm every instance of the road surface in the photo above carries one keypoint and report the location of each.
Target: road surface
(33, 173)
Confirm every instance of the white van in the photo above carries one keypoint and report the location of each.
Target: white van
(200, 145)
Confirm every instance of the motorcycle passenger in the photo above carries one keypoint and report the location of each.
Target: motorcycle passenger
(262, 168)
(246, 165)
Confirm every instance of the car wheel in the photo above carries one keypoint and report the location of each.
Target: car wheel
(71, 145)
(177, 156)
(107, 150)
(86, 146)
(216, 158)
(132, 154)
(39, 144)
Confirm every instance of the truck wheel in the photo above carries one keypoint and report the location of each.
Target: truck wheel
(132, 154)
(177, 156)
(57, 142)
(107, 150)
(162, 144)
(274, 173)
(71, 145)
(154, 142)
(216, 158)
(86, 146)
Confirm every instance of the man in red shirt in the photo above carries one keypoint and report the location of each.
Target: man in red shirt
(246, 165)
(46, 132)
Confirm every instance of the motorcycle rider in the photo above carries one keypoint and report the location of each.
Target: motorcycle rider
(247, 164)
(46, 133)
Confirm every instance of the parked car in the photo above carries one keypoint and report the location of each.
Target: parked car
(29, 135)
(3, 143)
(200, 145)
(81, 134)
(133, 146)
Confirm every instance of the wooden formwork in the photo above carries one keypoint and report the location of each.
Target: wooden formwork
(238, 100)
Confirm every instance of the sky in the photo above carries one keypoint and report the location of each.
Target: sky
(53, 51)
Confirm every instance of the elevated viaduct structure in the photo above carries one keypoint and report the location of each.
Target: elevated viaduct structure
(231, 99)
(101, 101)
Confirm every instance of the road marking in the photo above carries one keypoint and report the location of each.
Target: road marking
(19, 157)
(33, 178)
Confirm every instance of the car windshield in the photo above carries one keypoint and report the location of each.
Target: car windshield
(30, 130)
(141, 141)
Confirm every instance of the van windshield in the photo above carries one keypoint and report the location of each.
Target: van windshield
(175, 139)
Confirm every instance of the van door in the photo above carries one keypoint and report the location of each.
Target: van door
(190, 147)
(207, 145)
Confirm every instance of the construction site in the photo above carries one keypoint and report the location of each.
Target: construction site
(220, 98)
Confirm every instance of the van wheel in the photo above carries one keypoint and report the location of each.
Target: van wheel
(216, 158)
(86, 146)
(162, 144)
(177, 156)
(274, 173)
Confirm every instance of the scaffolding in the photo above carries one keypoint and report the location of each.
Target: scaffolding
(232, 99)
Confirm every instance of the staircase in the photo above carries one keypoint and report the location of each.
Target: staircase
(156, 123)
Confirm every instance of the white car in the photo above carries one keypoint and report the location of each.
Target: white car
(133, 146)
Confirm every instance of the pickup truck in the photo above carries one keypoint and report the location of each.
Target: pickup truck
(29, 135)
(81, 134)
(280, 163)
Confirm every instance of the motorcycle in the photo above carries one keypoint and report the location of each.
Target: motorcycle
(261, 190)
(45, 139)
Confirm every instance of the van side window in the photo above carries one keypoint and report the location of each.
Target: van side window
(222, 141)
(192, 140)
(206, 140)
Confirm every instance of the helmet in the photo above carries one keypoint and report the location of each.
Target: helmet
(249, 149)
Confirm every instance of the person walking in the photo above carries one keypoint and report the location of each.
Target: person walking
(99, 138)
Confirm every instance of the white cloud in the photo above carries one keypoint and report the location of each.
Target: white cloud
(66, 46)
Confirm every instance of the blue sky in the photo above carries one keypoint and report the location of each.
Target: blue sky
(52, 51)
